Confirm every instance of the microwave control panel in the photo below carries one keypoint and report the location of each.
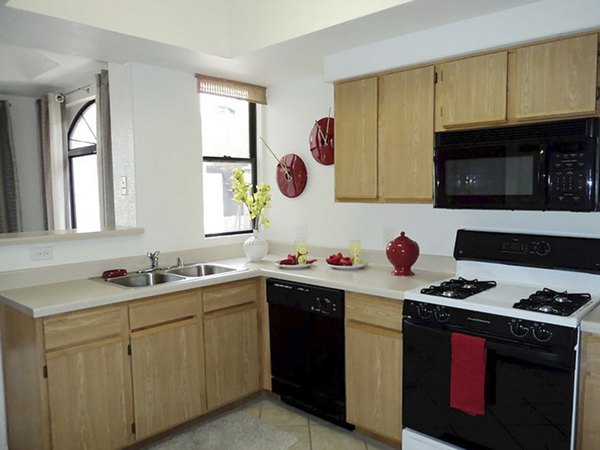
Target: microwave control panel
(570, 177)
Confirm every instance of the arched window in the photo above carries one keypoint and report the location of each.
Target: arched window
(83, 169)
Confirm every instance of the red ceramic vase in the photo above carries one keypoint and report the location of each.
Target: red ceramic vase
(402, 252)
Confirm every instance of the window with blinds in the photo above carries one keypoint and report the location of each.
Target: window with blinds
(228, 123)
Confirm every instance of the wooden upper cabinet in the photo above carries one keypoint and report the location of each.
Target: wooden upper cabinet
(406, 135)
(472, 91)
(557, 78)
(356, 139)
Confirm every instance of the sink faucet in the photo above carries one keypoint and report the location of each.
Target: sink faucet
(153, 262)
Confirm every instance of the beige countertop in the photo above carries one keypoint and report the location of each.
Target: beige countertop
(49, 299)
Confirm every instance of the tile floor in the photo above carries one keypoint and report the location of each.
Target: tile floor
(312, 432)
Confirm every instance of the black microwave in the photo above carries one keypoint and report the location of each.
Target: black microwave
(551, 166)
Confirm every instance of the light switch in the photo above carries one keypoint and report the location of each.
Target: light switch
(123, 186)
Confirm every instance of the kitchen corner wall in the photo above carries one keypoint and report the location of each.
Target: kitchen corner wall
(293, 107)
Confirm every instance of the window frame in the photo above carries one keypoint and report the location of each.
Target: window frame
(80, 151)
(252, 160)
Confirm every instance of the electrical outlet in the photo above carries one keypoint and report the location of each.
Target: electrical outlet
(41, 253)
(388, 235)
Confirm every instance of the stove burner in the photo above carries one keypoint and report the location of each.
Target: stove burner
(552, 302)
(452, 294)
(547, 309)
(458, 288)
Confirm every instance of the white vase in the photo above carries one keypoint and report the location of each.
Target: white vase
(256, 246)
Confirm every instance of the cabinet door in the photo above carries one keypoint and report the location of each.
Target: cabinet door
(356, 139)
(406, 135)
(589, 414)
(89, 390)
(374, 379)
(167, 376)
(557, 78)
(231, 342)
(473, 90)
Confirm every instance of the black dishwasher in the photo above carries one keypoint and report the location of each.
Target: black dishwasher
(306, 326)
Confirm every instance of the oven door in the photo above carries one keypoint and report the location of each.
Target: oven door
(528, 392)
(499, 176)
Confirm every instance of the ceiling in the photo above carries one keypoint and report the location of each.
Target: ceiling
(264, 41)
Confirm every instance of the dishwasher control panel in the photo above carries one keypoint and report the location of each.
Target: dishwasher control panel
(305, 297)
(324, 305)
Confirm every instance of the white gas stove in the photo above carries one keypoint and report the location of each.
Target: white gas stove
(516, 283)
(514, 309)
(550, 269)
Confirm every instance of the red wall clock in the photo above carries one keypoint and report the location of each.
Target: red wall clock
(321, 141)
(291, 175)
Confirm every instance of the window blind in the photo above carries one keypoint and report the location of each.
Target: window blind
(227, 88)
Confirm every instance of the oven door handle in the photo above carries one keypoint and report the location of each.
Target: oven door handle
(564, 360)
(534, 355)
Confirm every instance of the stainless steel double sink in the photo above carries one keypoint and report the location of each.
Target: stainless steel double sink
(173, 275)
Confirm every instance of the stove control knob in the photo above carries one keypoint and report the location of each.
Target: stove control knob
(424, 311)
(542, 248)
(441, 315)
(541, 333)
(517, 328)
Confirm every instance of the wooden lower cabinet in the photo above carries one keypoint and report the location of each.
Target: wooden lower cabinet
(167, 359)
(168, 378)
(89, 393)
(590, 413)
(374, 364)
(108, 377)
(589, 393)
(231, 342)
(88, 375)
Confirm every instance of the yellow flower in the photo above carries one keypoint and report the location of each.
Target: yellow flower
(256, 202)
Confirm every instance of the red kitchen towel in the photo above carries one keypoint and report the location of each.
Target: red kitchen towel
(467, 374)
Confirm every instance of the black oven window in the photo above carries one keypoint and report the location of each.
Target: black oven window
(511, 175)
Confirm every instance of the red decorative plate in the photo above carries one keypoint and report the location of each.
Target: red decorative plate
(292, 181)
(321, 141)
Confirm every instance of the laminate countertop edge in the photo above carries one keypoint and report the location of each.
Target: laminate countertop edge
(68, 296)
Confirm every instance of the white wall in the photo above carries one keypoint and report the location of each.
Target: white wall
(529, 22)
(156, 115)
(293, 108)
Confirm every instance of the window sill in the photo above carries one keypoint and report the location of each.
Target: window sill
(63, 235)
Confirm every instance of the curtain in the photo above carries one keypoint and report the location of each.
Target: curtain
(41, 106)
(56, 183)
(10, 210)
(104, 150)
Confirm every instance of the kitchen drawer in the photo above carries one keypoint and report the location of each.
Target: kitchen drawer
(84, 326)
(374, 310)
(163, 309)
(229, 295)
